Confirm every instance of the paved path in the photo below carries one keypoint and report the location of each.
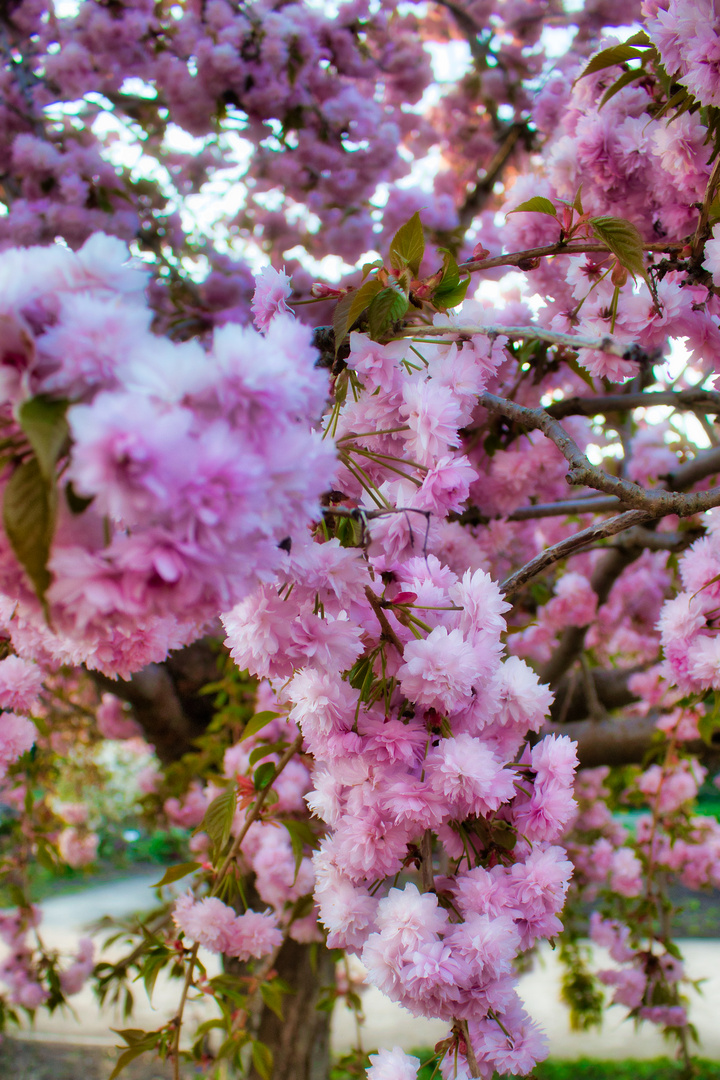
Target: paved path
(66, 917)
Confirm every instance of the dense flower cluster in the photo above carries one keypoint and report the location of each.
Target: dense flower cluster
(187, 466)
(420, 737)
(211, 923)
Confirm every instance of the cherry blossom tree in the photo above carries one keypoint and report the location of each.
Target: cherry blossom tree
(378, 545)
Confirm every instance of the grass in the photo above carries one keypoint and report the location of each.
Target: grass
(583, 1069)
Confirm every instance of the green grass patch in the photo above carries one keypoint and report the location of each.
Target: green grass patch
(353, 1068)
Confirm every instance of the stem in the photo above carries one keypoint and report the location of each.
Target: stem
(181, 1008)
(606, 344)
(469, 1052)
(426, 868)
(518, 257)
(254, 814)
(387, 631)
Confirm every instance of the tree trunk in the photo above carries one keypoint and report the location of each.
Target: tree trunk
(300, 1042)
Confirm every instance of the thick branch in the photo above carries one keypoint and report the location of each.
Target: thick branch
(610, 687)
(656, 503)
(475, 199)
(166, 701)
(572, 640)
(609, 403)
(610, 742)
(704, 464)
(621, 741)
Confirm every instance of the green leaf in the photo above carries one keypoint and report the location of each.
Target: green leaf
(640, 39)
(709, 725)
(256, 723)
(29, 510)
(132, 1036)
(152, 968)
(209, 1025)
(617, 54)
(367, 268)
(300, 834)
(577, 202)
(537, 204)
(680, 98)
(350, 307)
(451, 290)
(126, 1057)
(624, 240)
(262, 1059)
(358, 671)
(175, 873)
(580, 372)
(218, 818)
(272, 998)
(260, 752)
(625, 79)
(386, 308)
(43, 421)
(450, 298)
(408, 246)
(264, 776)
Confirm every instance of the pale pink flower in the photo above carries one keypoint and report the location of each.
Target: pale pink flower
(466, 773)
(253, 934)
(78, 848)
(74, 978)
(626, 873)
(17, 735)
(272, 290)
(439, 670)
(711, 263)
(114, 721)
(432, 414)
(393, 1064)
(20, 684)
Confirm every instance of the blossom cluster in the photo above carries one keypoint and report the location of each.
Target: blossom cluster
(687, 622)
(392, 667)
(214, 925)
(186, 467)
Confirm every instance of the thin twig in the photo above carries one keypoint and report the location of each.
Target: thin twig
(517, 258)
(255, 813)
(231, 856)
(387, 631)
(702, 226)
(181, 1009)
(605, 344)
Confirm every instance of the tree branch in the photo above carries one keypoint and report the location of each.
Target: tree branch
(608, 403)
(705, 464)
(610, 687)
(605, 344)
(572, 640)
(518, 258)
(656, 503)
(620, 741)
(572, 544)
